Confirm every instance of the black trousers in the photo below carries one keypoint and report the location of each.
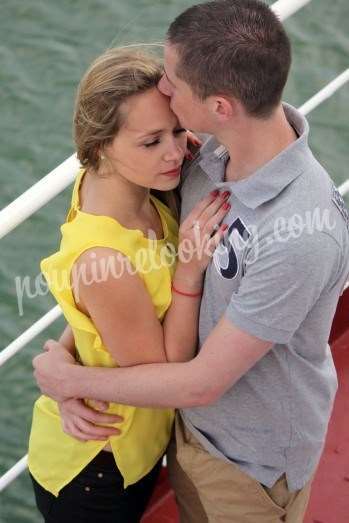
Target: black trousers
(97, 495)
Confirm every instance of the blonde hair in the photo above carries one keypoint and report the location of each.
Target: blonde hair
(110, 80)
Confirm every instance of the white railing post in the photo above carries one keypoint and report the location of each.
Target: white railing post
(285, 8)
(28, 335)
(325, 93)
(13, 472)
(38, 195)
(344, 188)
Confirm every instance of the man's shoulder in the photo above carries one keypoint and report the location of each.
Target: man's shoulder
(310, 203)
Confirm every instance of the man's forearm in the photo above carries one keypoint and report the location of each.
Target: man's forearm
(227, 354)
(152, 385)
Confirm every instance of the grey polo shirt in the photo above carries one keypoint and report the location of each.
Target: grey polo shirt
(278, 276)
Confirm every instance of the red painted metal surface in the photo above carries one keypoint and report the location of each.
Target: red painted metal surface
(341, 320)
(329, 502)
(162, 507)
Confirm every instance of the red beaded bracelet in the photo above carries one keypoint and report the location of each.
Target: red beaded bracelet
(187, 294)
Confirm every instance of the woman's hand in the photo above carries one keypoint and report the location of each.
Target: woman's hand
(199, 235)
(83, 422)
(193, 143)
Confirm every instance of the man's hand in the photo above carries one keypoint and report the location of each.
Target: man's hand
(79, 420)
(51, 371)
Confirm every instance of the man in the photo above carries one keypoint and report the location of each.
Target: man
(256, 400)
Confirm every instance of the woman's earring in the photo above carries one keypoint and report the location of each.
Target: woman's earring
(102, 157)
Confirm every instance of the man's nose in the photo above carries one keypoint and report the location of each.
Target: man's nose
(164, 86)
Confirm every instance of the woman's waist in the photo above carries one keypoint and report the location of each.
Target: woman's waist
(155, 423)
(132, 417)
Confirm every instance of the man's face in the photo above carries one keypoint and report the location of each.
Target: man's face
(190, 111)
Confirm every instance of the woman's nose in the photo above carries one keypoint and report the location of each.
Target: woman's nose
(174, 153)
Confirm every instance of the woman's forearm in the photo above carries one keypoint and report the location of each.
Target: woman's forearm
(67, 339)
(202, 230)
(181, 321)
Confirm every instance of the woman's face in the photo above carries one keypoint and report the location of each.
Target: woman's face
(150, 147)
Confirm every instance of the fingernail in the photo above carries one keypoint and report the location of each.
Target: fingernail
(215, 193)
(224, 227)
(226, 206)
(225, 195)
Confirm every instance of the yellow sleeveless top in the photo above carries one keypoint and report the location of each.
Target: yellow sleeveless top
(55, 458)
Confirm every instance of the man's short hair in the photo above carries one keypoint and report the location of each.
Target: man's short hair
(235, 48)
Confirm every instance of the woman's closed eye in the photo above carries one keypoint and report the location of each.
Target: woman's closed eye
(157, 140)
(154, 142)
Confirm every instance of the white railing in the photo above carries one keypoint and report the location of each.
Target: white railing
(286, 8)
(38, 195)
(13, 472)
(325, 93)
(344, 188)
(31, 333)
(62, 176)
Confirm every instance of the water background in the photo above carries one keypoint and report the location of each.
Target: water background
(45, 47)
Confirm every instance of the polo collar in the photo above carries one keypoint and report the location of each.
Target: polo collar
(268, 181)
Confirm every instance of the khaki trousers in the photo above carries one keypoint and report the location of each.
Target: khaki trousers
(210, 490)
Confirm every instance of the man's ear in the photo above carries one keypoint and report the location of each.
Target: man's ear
(222, 108)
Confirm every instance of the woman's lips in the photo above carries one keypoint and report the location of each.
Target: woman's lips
(174, 173)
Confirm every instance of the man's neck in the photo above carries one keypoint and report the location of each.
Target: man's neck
(253, 142)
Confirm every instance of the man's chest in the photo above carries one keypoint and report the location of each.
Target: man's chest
(227, 267)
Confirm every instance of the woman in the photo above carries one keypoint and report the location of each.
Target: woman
(112, 277)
